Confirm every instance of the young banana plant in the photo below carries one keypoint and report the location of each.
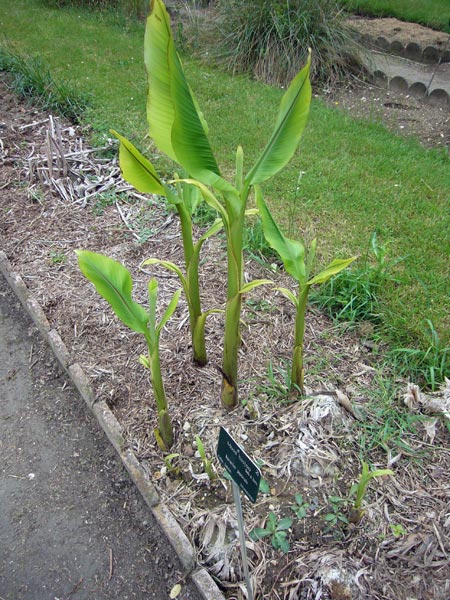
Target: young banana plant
(360, 489)
(113, 282)
(178, 129)
(299, 264)
(140, 173)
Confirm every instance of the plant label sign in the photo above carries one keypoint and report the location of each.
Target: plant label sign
(239, 465)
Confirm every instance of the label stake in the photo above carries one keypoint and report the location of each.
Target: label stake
(240, 520)
(245, 475)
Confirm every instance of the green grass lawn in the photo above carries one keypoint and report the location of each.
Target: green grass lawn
(433, 13)
(356, 176)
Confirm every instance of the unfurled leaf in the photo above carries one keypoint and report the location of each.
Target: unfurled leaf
(284, 524)
(264, 487)
(113, 282)
(160, 107)
(169, 311)
(258, 533)
(289, 126)
(288, 294)
(247, 287)
(279, 542)
(136, 169)
(291, 252)
(168, 265)
(338, 265)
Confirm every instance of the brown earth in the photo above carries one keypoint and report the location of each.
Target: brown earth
(393, 29)
(399, 550)
(401, 113)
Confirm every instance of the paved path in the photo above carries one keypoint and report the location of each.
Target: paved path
(72, 525)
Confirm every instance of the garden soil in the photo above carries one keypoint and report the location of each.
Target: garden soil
(400, 550)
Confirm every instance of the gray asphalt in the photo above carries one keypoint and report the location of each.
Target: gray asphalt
(72, 525)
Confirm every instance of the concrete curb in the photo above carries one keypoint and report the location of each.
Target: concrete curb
(436, 97)
(430, 55)
(394, 77)
(204, 583)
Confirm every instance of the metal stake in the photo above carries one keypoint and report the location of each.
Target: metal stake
(240, 520)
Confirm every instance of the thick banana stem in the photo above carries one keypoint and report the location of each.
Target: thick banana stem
(165, 427)
(232, 317)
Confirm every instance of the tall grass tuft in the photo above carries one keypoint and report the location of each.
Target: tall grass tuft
(354, 294)
(270, 38)
(427, 366)
(32, 80)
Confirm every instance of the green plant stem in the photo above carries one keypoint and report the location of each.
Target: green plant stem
(191, 260)
(164, 423)
(233, 306)
(297, 375)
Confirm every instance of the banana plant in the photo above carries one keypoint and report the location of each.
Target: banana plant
(113, 282)
(178, 129)
(140, 173)
(299, 263)
(360, 489)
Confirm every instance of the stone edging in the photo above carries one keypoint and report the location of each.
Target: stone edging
(437, 97)
(412, 50)
(204, 583)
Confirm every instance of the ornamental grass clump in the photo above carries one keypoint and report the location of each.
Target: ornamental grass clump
(270, 38)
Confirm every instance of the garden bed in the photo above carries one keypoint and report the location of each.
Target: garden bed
(311, 446)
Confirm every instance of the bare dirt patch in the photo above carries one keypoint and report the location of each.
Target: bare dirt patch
(311, 447)
(401, 113)
(394, 29)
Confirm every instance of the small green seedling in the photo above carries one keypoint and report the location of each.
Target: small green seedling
(207, 464)
(58, 258)
(300, 508)
(397, 530)
(360, 488)
(171, 468)
(264, 487)
(336, 517)
(276, 529)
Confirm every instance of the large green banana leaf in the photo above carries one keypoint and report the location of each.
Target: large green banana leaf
(113, 282)
(289, 126)
(136, 169)
(174, 120)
